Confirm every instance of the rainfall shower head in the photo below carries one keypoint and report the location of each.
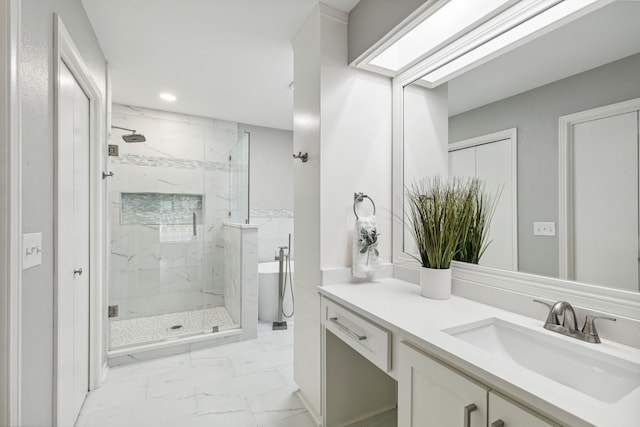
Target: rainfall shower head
(134, 137)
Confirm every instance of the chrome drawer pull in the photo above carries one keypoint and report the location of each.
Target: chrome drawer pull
(497, 423)
(467, 414)
(347, 330)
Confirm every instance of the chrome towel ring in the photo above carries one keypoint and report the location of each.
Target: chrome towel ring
(359, 197)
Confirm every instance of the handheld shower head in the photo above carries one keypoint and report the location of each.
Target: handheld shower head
(134, 137)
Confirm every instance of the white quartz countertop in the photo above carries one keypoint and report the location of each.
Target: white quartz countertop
(398, 306)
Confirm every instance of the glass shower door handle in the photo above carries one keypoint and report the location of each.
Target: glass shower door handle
(195, 231)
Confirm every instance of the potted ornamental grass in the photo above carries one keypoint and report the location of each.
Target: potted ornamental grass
(448, 219)
(472, 248)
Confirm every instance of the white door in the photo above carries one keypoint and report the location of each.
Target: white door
(605, 197)
(492, 162)
(462, 163)
(494, 168)
(72, 233)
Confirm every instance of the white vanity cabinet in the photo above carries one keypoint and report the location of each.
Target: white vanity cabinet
(356, 360)
(433, 394)
(505, 413)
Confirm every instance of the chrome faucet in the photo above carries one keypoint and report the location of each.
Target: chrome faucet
(569, 326)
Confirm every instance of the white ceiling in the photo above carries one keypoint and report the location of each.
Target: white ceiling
(233, 60)
(225, 59)
(603, 36)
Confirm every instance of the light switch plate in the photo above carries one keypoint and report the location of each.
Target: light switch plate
(544, 228)
(31, 250)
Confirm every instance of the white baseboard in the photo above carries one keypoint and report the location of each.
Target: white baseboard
(105, 372)
(317, 418)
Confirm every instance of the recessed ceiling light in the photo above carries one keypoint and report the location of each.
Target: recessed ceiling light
(168, 97)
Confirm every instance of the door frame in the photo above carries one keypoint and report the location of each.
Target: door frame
(65, 51)
(10, 215)
(511, 134)
(565, 175)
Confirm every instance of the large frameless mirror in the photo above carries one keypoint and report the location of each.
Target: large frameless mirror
(554, 124)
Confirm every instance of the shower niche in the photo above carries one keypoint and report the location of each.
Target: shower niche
(178, 216)
(170, 266)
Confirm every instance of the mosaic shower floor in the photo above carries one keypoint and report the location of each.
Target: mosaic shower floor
(150, 329)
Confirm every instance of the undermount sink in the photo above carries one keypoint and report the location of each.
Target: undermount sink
(592, 372)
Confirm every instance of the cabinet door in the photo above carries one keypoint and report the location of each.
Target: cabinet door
(432, 394)
(504, 413)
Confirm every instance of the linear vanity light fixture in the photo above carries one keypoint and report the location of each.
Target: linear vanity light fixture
(446, 20)
(456, 35)
(510, 29)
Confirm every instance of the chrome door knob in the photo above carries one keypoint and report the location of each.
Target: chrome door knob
(78, 272)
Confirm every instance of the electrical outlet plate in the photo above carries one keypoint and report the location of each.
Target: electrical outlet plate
(544, 228)
(31, 250)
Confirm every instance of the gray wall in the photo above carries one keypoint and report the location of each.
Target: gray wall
(535, 114)
(371, 20)
(37, 83)
(271, 187)
(271, 180)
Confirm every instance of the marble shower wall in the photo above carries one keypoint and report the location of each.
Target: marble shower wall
(241, 275)
(158, 268)
(275, 225)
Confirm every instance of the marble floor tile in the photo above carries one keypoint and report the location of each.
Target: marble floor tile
(140, 372)
(235, 414)
(231, 350)
(248, 383)
(275, 405)
(286, 372)
(112, 395)
(263, 360)
(146, 413)
(226, 391)
(178, 384)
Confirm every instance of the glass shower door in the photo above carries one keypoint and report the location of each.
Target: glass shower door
(239, 179)
(168, 198)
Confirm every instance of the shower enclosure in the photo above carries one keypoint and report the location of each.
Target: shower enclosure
(239, 179)
(169, 198)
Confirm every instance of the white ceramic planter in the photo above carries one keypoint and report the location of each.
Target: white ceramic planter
(435, 283)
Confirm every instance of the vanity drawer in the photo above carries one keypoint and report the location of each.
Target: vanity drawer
(365, 337)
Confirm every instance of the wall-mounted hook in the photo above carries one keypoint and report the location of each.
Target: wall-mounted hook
(107, 175)
(304, 157)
